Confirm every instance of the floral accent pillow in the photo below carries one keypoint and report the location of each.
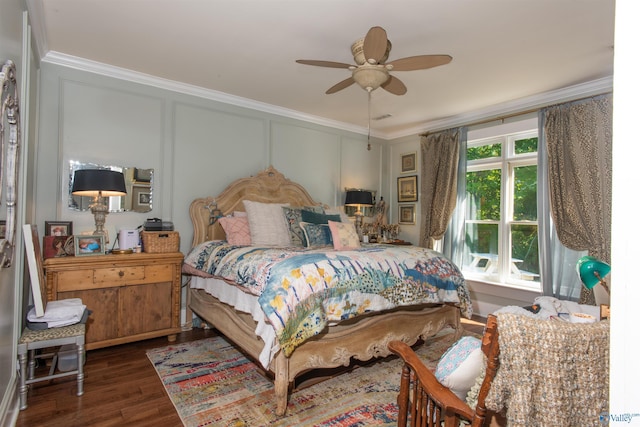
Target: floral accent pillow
(293, 216)
(316, 235)
(344, 235)
(460, 365)
(237, 230)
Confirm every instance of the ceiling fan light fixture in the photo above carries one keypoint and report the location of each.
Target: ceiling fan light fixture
(370, 77)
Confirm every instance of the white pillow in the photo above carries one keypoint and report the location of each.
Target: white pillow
(267, 224)
(460, 365)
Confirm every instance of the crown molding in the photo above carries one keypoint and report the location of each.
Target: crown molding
(591, 88)
(82, 64)
(522, 105)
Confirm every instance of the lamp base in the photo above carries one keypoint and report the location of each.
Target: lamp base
(100, 211)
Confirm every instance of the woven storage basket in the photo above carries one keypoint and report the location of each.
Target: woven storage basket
(157, 242)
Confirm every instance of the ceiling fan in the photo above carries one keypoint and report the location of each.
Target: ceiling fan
(371, 71)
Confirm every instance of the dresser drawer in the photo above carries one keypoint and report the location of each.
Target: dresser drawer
(113, 277)
(118, 276)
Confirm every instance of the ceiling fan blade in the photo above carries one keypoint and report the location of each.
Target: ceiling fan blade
(375, 44)
(329, 64)
(394, 86)
(420, 62)
(339, 86)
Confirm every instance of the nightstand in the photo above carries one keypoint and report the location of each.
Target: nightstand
(132, 297)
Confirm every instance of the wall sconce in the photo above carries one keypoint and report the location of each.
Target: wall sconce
(99, 183)
(358, 198)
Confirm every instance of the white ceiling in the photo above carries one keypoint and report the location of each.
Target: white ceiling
(505, 52)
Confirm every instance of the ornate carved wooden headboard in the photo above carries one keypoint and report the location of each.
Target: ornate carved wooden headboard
(268, 186)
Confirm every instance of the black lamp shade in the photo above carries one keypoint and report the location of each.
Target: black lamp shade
(358, 197)
(93, 182)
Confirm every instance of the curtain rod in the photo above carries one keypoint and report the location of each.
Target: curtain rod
(519, 113)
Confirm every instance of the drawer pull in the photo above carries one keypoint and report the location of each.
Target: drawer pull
(121, 273)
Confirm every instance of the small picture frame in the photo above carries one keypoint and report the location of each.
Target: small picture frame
(54, 246)
(408, 188)
(3, 229)
(408, 162)
(58, 228)
(88, 245)
(407, 214)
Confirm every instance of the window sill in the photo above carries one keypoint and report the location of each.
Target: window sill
(482, 285)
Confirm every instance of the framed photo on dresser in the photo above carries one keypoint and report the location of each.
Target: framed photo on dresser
(58, 228)
(89, 245)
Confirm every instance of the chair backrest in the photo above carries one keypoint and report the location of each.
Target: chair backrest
(423, 401)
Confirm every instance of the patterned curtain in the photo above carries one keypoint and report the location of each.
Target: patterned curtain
(579, 138)
(438, 183)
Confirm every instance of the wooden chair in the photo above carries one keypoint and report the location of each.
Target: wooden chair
(426, 402)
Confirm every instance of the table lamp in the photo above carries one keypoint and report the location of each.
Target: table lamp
(358, 198)
(98, 183)
(593, 271)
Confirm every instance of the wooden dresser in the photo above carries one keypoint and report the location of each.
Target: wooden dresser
(132, 297)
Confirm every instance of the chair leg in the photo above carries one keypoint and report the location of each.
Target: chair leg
(80, 369)
(32, 364)
(23, 380)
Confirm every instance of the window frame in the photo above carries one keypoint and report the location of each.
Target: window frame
(507, 163)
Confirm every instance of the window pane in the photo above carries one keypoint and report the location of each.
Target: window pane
(483, 194)
(481, 247)
(484, 152)
(524, 251)
(528, 145)
(525, 193)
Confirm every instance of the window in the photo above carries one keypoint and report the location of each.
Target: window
(501, 220)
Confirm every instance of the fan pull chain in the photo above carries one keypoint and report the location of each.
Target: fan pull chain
(369, 122)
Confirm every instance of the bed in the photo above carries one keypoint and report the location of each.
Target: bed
(253, 304)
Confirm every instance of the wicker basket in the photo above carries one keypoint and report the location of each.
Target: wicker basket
(158, 242)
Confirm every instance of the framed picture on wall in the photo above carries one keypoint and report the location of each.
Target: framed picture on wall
(407, 214)
(88, 245)
(141, 198)
(408, 188)
(58, 228)
(3, 229)
(408, 162)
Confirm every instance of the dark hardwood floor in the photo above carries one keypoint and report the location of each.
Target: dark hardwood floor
(121, 388)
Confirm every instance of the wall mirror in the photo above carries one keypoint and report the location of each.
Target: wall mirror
(139, 183)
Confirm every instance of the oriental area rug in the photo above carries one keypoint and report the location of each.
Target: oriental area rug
(211, 383)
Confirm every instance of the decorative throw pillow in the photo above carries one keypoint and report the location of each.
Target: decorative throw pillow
(318, 218)
(338, 211)
(472, 396)
(293, 216)
(316, 235)
(344, 235)
(267, 224)
(236, 230)
(460, 365)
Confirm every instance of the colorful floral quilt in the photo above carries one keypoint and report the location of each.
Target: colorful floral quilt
(302, 290)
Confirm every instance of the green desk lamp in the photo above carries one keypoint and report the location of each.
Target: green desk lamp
(593, 271)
